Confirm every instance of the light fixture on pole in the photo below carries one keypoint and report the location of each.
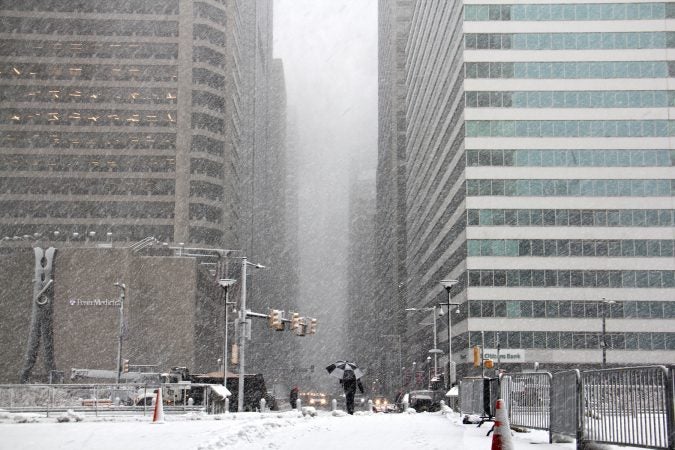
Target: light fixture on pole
(603, 342)
(242, 331)
(225, 283)
(448, 284)
(123, 290)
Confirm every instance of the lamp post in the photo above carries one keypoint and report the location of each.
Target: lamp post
(123, 289)
(434, 350)
(448, 284)
(225, 283)
(242, 331)
(603, 343)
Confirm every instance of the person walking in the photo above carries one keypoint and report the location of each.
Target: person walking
(349, 384)
(294, 397)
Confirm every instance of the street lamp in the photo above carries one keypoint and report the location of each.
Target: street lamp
(434, 350)
(603, 343)
(123, 290)
(448, 284)
(242, 332)
(225, 283)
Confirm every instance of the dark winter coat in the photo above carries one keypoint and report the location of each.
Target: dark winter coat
(350, 385)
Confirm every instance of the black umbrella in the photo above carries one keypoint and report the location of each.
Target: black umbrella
(344, 370)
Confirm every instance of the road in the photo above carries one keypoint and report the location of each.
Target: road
(245, 431)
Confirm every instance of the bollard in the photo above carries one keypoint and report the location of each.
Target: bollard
(370, 406)
(299, 404)
(227, 404)
(191, 401)
(262, 405)
(117, 401)
(405, 406)
(333, 405)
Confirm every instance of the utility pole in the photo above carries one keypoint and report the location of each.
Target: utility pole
(123, 289)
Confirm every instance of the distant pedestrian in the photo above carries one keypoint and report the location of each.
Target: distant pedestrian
(294, 397)
(349, 384)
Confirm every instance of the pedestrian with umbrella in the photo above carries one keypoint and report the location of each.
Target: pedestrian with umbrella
(349, 375)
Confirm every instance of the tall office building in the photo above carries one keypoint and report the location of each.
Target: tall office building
(131, 118)
(539, 174)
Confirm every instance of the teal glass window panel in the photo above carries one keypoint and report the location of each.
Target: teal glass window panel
(635, 99)
(521, 128)
(623, 158)
(520, 41)
(519, 70)
(574, 188)
(581, 12)
(485, 247)
(583, 70)
(556, 12)
(560, 157)
(472, 187)
(533, 99)
(594, 40)
(663, 158)
(637, 188)
(522, 188)
(632, 69)
(522, 158)
(532, 70)
(536, 187)
(548, 157)
(470, 12)
(661, 128)
(620, 100)
(584, 99)
(660, 98)
(636, 158)
(519, 99)
(624, 189)
(511, 247)
(557, 41)
(547, 128)
(594, 12)
(595, 70)
(473, 247)
(645, 11)
(571, 128)
(620, 40)
(471, 128)
(597, 98)
(611, 158)
(485, 216)
(648, 70)
(569, 41)
(568, 12)
(498, 247)
(585, 158)
(583, 42)
(598, 158)
(483, 128)
(532, 41)
(482, 12)
(558, 99)
(584, 128)
(612, 188)
(570, 99)
(622, 128)
(557, 70)
(586, 188)
(571, 70)
(535, 157)
(635, 128)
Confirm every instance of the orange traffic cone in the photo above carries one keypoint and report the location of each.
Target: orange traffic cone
(158, 415)
(501, 436)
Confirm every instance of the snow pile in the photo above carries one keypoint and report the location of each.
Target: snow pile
(4, 414)
(309, 411)
(248, 431)
(70, 415)
(338, 413)
(25, 417)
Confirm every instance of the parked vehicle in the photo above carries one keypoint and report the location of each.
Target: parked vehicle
(426, 400)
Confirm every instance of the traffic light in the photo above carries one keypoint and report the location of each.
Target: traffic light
(125, 366)
(302, 327)
(312, 326)
(275, 319)
(234, 354)
(476, 356)
(489, 364)
(295, 321)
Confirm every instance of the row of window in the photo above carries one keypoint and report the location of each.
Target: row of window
(571, 158)
(571, 247)
(87, 163)
(88, 27)
(554, 309)
(580, 340)
(97, 6)
(570, 70)
(203, 189)
(199, 211)
(87, 49)
(572, 217)
(569, 41)
(570, 99)
(570, 128)
(573, 278)
(133, 232)
(62, 139)
(89, 72)
(86, 186)
(86, 94)
(571, 188)
(100, 118)
(96, 210)
(580, 11)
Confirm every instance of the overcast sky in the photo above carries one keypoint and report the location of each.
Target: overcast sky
(329, 51)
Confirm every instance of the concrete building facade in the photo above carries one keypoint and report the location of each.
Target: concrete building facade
(539, 175)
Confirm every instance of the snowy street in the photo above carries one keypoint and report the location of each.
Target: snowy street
(285, 430)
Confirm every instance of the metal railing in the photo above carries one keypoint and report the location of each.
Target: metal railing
(96, 399)
(631, 406)
(527, 397)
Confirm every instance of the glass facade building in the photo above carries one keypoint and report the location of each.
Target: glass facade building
(540, 175)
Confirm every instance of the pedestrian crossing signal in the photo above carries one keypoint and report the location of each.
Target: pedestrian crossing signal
(125, 366)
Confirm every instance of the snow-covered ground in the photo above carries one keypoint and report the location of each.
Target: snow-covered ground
(284, 430)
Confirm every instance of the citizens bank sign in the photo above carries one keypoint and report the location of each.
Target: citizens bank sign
(506, 355)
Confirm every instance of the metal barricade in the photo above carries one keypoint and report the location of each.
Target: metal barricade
(528, 396)
(478, 396)
(629, 406)
(565, 406)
